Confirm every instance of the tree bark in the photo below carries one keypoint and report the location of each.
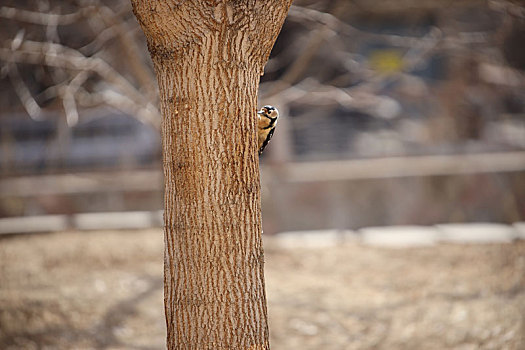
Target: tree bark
(208, 56)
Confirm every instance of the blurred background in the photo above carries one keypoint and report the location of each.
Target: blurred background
(396, 112)
(401, 114)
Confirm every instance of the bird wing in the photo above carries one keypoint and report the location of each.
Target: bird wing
(270, 135)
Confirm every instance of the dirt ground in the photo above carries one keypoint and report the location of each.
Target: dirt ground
(103, 290)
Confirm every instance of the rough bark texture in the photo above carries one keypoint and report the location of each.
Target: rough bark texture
(208, 56)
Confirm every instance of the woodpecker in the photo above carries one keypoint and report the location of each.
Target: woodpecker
(268, 116)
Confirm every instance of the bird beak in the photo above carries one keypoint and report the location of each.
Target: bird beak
(260, 112)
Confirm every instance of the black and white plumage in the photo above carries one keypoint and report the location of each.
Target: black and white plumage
(268, 116)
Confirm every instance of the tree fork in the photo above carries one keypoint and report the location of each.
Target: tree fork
(208, 56)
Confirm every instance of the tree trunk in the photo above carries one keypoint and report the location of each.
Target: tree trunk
(208, 56)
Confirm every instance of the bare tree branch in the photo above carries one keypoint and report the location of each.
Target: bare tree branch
(30, 105)
(57, 55)
(338, 26)
(509, 7)
(68, 97)
(72, 67)
(43, 18)
(131, 50)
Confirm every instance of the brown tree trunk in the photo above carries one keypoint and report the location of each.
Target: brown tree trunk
(208, 56)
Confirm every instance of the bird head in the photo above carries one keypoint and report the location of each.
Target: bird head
(269, 112)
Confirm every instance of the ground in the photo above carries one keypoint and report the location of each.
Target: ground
(103, 290)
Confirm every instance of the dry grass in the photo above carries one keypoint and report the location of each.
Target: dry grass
(103, 290)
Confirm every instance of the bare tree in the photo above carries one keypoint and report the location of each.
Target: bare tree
(208, 56)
